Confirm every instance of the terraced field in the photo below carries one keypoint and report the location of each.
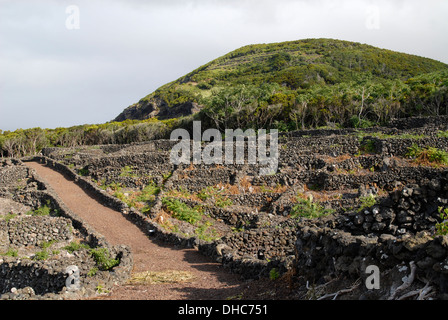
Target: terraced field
(249, 222)
(340, 201)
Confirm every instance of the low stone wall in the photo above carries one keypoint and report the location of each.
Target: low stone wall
(400, 229)
(45, 279)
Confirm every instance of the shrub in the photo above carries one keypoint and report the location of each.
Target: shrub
(103, 259)
(11, 253)
(274, 274)
(83, 171)
(41, 255)
(368, 146)
(75, 246)
(442, 227)
(213, 192)
(306, 208)
(356, 122)
(42, 211)
(126, 171)
(367, 201)
(182, 211)
(429, 155)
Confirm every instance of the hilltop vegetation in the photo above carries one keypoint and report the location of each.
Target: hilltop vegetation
(289, 86)
(306, 83)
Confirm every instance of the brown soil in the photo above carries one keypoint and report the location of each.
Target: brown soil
(210, 281)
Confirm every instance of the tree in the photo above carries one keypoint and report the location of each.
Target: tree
(300, 110)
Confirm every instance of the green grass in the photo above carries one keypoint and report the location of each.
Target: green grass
(428, 155)
(127, 171)
(103, 259)
(101, 256)
(8, 216)
(367, 202)
(442, 227)
(307, 208)
(75, 246)
(44, 210)
(203, 229)
(11, 252)
(214, 193)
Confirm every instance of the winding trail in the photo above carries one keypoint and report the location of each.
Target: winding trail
(210, 281)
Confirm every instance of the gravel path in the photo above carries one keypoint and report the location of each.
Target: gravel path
(210, 280)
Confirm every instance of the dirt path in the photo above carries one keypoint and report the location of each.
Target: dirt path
(210, 281)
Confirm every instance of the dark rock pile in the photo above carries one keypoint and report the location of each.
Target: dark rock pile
(36, 243)
(337, 168)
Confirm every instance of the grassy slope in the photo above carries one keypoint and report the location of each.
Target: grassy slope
(296, 65)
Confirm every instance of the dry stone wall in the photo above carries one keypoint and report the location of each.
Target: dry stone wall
(336, 166)
(33, 248)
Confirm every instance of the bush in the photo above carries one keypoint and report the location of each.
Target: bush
(306, 208)
(367, 202)
(216, 194)
(182, 211)
(429, 155)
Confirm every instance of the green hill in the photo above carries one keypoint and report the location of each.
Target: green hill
(316, 81)
(288, 86)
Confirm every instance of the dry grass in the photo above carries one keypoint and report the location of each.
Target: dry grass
(332, 160)
(160, 277)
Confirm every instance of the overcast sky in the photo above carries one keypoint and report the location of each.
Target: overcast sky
(65, 63)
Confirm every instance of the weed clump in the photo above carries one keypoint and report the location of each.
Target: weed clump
(429, 155)
(307, 208)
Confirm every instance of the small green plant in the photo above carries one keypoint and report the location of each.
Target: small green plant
(206, 232)
(367, 146)
(41, 255)
(47, 244)
(100, 289)
(307, 208)
(83, 171)
(127, 171)
(44, 254)
(42, 211)
(442, 227)
(207, 193)
(92, 272)
(148, 193)
(182, 211)
(114, 186)
(442, 134)
(367, 201)
(215, 194)
(9, 216)
(103, 259)
(75, 246)
(167, 175)
(11, 253)
(427, 155)
(274, 274)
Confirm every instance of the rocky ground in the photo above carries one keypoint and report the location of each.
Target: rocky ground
(341, 200)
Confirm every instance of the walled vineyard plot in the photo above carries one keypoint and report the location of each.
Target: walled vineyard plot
(340, 201)
(41, 240)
